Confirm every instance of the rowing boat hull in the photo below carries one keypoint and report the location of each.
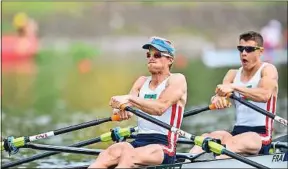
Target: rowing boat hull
(271, 161)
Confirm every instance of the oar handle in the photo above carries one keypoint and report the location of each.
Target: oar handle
(115, 117)
(199, 110)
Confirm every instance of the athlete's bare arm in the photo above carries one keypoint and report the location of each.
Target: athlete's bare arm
(219, 101)
(175, 90)
(124, 115)
(137, 86)
(267, 86)
(229, 77)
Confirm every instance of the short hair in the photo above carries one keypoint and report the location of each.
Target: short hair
(251, 35)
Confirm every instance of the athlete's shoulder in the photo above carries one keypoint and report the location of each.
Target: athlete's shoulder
(232, 71)
(177, 76)
(140, 81)
(269, 68)
(230, 76)
(142, 78)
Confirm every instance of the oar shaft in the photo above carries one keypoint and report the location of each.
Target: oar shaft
(252, 106)
(244, 160)
(47, 154)
(159, 123)
(63, 149)
(70, 128)
(124, 132)
(258, 109)
(21, 141)
(199, 110)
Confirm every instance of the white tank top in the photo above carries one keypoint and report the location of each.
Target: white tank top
(246, 116)
(172, 116)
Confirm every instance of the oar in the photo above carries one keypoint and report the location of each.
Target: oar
(258, 109)
(198, 140)
(11, 145)
(92, 141)
(124, 132)
(65, 149)
(199, 110)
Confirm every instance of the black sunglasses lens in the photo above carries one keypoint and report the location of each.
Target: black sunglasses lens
(148, 55)
(240, 48)
(157, 55)
(248, 49)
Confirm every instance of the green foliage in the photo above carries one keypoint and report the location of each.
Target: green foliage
(201, 81)
(79, 51)
(40, 9)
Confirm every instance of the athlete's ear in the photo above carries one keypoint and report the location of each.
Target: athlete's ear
(261, 51)
(171, 60)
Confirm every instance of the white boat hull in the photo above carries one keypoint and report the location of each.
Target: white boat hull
(271, 161)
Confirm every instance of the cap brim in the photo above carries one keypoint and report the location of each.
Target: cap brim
(158, 47)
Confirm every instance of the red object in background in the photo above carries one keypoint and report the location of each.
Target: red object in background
(15, 48)
(17, 51)
(84, 66)
(181, 61)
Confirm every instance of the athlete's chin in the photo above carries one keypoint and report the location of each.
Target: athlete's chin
(153, 69)
(247, 66)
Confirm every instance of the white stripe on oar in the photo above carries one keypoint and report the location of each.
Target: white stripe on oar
(181, 132)
(41, 136)
(280, 120)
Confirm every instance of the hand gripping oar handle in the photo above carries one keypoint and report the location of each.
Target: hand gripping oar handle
(258, 109)
(198, 140)
(10, 144)
(199, 110)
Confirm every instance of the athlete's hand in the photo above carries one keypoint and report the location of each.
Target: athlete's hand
(117, 101)
(124, 115)
(224, 89)
(220, 102)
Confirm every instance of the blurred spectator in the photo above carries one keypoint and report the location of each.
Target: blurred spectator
(19, 49)
(272, 34)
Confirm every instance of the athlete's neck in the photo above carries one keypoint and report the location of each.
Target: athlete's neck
(158, 78)
(250, 72)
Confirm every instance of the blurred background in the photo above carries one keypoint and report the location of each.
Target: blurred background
(62, 62)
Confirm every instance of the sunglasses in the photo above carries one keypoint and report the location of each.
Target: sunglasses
(157, 55)
(248, 49)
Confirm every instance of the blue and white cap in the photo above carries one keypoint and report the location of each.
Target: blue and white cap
(161, 44)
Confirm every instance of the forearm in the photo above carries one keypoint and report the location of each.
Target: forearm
(255, 94)
(152, 107)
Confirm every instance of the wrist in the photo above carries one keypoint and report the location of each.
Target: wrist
(213, 97)
(131, 100)
(234, 87)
